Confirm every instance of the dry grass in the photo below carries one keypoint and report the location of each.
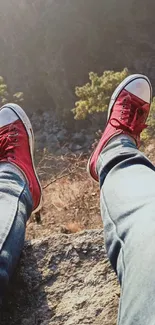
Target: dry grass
(70, 197)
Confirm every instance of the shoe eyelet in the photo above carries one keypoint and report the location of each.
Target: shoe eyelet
(140, 111)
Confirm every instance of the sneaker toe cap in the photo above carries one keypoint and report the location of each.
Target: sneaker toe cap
(141, 88)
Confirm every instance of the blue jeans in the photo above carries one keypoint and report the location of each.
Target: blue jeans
(127, 181)
(15, 209)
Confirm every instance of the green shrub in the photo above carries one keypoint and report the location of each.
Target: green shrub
(6, 97)
(94, 96)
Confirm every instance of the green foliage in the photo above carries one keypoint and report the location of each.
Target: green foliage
(3, 92)
(6, 97)
(18, 97)
(149, 133)
(95, 95)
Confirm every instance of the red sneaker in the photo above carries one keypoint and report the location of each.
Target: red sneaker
(128, 110)
(17, 146)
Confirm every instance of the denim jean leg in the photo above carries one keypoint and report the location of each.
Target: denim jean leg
(15, 209)
(127, 197)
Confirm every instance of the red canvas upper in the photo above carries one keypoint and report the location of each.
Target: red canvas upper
(128, 116)
(15, 148)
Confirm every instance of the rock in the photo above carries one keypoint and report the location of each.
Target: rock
(51, 138)
(79, 138)
(52, 142)
(62, 151)
(55, 129)
(40, 140)
(63, 280)
(75, 147)
(62, 135)
(90, 137)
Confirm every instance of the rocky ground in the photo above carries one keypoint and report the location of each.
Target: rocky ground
(57, 138)
(63, 280)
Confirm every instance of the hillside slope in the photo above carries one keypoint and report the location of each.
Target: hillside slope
(48, 47)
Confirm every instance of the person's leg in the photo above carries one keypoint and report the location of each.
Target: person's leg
(15, 209)
(128, 212)
(20, 190)
(127, 182)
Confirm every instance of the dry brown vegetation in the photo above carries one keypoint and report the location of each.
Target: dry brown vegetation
(70, 197)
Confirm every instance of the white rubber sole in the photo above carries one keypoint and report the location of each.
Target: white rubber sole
(121, 86)
(25, 120)
(113, 99)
